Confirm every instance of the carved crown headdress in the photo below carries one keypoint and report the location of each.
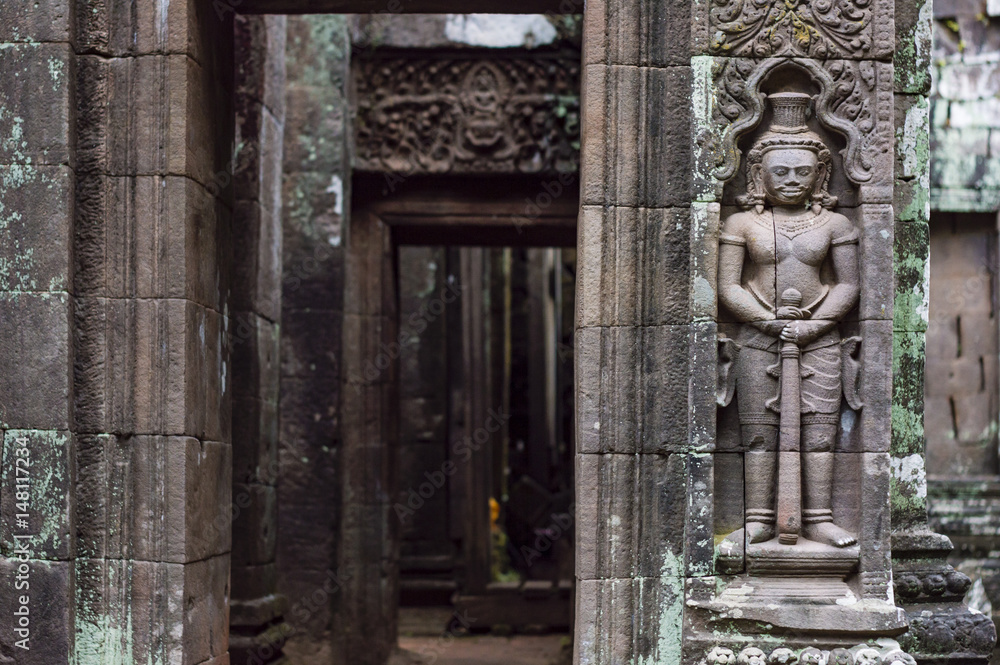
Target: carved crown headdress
(788, 129)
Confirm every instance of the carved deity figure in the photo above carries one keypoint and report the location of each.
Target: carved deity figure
(788, 270)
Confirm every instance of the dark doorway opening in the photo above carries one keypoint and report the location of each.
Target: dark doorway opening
(479, 298)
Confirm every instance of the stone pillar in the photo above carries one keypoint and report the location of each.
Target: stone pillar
(315, 207)
(643, 446)
(150, 366)
(257, 630)
(678, 478)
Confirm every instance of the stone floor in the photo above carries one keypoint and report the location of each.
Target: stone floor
(481, 650)
(421, 643)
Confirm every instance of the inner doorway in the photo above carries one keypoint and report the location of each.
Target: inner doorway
(476, 291)
(485, 508)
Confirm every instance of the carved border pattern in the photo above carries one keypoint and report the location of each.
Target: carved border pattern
(467, 113)
(848, 103)
(885, 653)
(813, 28)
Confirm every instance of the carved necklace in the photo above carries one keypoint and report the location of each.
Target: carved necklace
(792, 228)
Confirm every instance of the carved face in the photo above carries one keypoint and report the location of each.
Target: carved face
(789, 176)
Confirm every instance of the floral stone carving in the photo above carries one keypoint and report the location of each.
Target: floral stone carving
(476, 113)
(814, 28)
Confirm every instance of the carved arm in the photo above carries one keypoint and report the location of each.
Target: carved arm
(731, 292)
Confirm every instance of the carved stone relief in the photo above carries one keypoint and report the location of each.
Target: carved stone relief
(813, 28)
(850, 101)
(790, 359)
(885, 652)
(468, 113)
(790, 348)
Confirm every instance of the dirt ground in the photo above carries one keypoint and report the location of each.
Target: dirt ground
(481, 650)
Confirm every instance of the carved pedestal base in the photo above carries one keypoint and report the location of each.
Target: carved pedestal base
(805, 559)
(942, 628)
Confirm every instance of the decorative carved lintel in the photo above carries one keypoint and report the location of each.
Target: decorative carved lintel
(468, 112)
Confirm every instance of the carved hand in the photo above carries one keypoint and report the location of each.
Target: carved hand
(804, 332)
(792, 313)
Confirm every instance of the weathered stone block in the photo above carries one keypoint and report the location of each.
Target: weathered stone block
(35, 228)
(636, 134)
(167, 130)
(704, 268)
(22, 21)
(912, 55)
(317, 116)
(606, 516)
(308, 411)
(639, 402)
(255, 349)
(116, 29)
(608, 608)
(667, 266)
(660, 514)
(120, 231)
(871, 429)
(179, 378)
(206, 609)
(35, 88)
(908, 394)
(305, 354)
(35, 388)
(49, 607)
(250, 582)
(179, 508)
(638, 32)
(911, 276)
(37, 501)
(255, 441)
(876, 252)
(255, 524)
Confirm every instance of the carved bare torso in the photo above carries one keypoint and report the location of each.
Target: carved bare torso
(783, 253)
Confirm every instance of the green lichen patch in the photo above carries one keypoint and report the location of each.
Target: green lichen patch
(911, 267)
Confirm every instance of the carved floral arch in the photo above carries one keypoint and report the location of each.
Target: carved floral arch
(858, 166)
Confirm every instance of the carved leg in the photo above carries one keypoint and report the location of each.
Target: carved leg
(760, 483)
(817, 514)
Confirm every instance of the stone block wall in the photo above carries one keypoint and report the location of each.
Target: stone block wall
(37, 182)
(116, 120)
(965, 107)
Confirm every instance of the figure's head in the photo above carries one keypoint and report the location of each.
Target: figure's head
(789, 165)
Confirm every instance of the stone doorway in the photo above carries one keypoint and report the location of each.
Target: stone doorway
(474, 381)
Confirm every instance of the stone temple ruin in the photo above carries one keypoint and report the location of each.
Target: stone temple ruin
(614, 318)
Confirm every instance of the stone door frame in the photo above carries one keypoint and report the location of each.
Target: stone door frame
(426, 212)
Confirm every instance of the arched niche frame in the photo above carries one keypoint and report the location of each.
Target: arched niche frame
(847, 103)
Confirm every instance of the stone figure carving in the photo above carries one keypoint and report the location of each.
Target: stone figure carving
(788, 270)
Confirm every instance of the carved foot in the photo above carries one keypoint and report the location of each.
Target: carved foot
(759, 532)
(828, 533)
(729, 555)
